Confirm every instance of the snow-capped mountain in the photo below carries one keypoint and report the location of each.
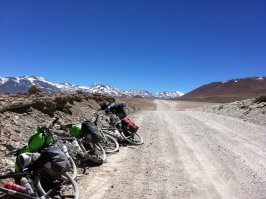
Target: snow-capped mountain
(168, 95)
(22, 84)
(110, 90)
(138, 93)
(105, 89)
(70, 88)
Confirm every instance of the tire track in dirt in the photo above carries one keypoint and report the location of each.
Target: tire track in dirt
(202, 173)
(244, 180)
(246, 140)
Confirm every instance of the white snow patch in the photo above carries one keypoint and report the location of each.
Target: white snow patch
(40, 78)
(31, 79)
(17, 80)
(180, 93)
(84, 87)
(235, 81)
(3, 80)
(60, 86)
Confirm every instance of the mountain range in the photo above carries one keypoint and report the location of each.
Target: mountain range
(23, 83)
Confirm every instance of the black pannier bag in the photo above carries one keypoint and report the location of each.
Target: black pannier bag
(129, 125)
(118, 109)
(90, 131)
(52, 162)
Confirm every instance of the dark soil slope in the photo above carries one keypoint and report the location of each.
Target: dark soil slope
(227, 91)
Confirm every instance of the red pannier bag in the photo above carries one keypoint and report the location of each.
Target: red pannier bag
(129, 125)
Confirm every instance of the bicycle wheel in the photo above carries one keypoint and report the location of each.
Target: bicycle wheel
(62, 187)
(132, 138)
(73, 168)
(68, 187)
(99, 154)
(95, 152)
(110, 145)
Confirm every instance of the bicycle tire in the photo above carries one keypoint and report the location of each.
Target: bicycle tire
(132, 138)
(68, 179)
(111, 145)
(99, 154)
(73, 168)
(96, 154)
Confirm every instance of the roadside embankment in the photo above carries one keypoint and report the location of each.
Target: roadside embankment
(251, 110)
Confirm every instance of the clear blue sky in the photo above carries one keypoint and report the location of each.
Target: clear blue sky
(146, 44)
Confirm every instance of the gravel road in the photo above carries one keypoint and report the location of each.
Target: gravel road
(185, 155)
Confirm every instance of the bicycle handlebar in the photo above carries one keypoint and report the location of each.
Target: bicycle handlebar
(14, 152)
(46, 129)
(96, 119)
(51, 124)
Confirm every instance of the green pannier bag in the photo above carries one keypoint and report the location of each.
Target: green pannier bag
(37, 141)
(75, 130)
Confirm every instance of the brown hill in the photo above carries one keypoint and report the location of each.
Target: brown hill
(228, 91)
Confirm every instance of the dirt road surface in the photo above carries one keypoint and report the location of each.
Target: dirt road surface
(185, 155)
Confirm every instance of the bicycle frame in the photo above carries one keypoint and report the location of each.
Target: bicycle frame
(79, 150)
(111, 132)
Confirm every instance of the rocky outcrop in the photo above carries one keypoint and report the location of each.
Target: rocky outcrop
(21, 113)
(251, 110)
(46, 103)
(34, 89)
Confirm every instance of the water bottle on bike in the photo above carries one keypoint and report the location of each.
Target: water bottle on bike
(25, 183)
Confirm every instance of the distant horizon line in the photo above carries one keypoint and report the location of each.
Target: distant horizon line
(94, 84)
(38, 76)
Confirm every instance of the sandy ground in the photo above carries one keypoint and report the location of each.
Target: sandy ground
(185, 155)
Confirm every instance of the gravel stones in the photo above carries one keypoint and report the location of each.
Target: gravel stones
(250, 110)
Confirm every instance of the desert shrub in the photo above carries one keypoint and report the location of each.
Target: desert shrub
(260, 99)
